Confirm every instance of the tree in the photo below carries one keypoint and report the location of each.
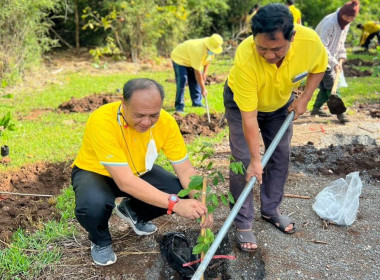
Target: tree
(24, 26)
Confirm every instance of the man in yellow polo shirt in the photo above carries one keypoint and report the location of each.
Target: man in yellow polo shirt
(295, 12)
(257, 99)
(369, 30)
(189, 59)
(116, 159)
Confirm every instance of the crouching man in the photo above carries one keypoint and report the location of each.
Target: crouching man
(117, 159)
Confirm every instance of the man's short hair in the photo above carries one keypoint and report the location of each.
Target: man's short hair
(141, 83)
(290, 2)
(271, 19)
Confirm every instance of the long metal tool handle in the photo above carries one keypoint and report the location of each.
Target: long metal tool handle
(208, 111)
(243, 196)
(337, 75)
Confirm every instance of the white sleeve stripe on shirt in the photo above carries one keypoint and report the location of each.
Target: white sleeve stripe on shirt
(179, 161)
(114, 163)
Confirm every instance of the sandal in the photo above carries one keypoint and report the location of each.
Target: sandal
(245, 237)
(281, 222)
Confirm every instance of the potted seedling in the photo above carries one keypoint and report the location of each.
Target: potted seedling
(207, 185)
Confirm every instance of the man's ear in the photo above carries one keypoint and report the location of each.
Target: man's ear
(292, 37)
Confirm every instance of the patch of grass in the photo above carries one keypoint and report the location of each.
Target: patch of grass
(29, 254)
(361, 90)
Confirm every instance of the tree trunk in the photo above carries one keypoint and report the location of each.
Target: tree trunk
(76, 25)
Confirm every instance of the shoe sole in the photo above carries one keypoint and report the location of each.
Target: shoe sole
(108, 263)
(130, 222)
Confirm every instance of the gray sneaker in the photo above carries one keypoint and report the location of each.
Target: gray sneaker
(141, 227)
(103, 255)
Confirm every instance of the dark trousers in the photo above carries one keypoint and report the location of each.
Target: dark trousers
(276, 170)
(370, 37)
(325, 87)
(95, 199)
(185, 75)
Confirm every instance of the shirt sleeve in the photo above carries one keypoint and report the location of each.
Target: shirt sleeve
(106, 146)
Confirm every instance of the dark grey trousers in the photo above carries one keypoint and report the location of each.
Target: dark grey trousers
(328, 79)
(95, 199)
(276, 170)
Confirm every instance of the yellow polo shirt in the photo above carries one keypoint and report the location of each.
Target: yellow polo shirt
(296, 13)
(192, 53)
(369, 28)
(104, 144)
(256, 84)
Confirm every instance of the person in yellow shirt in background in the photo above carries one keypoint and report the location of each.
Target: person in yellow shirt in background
(257, 98)
(295, 12)
(369, 30)
(117, 159)
(191, 60)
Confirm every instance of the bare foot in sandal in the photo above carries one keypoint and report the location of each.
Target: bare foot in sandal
(281, 222)
(246, 240)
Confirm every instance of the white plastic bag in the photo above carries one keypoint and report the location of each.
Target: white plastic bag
(342, 81)
(339, 201)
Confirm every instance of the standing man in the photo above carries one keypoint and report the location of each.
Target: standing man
(116, 159)
(369, 30)
(189, 59)
(257, 98)
(295, 12)
(333, 32)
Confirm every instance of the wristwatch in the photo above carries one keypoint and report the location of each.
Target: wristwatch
(173, 199)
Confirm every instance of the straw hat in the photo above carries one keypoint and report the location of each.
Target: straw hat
(214, 43)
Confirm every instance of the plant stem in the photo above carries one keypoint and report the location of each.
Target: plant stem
(203, 230)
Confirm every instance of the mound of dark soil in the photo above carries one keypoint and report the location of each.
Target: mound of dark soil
(26, 212)
(338, 160)
(210, 79)
(358, 62)
(192, 125)
(353, 72)
(373, 109)
(87, 104)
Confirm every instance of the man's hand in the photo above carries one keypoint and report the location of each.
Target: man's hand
(299, 106)
(338, 68)
(190, 208)
(204, 92)
(209, 220)
(255, 169)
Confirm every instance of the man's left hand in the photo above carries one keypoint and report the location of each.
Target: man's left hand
(209, 220)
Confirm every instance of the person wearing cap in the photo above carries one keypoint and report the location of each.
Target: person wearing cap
(333, 30)
(369, 30)
(267, 67)
(117, 159)
(191, 60)
(297, 17)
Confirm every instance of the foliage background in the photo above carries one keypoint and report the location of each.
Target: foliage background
(132, 29)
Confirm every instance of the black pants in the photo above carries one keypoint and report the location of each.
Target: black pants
(370, 37)
(95, 199)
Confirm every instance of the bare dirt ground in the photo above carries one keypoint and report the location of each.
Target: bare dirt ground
(322, 151)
